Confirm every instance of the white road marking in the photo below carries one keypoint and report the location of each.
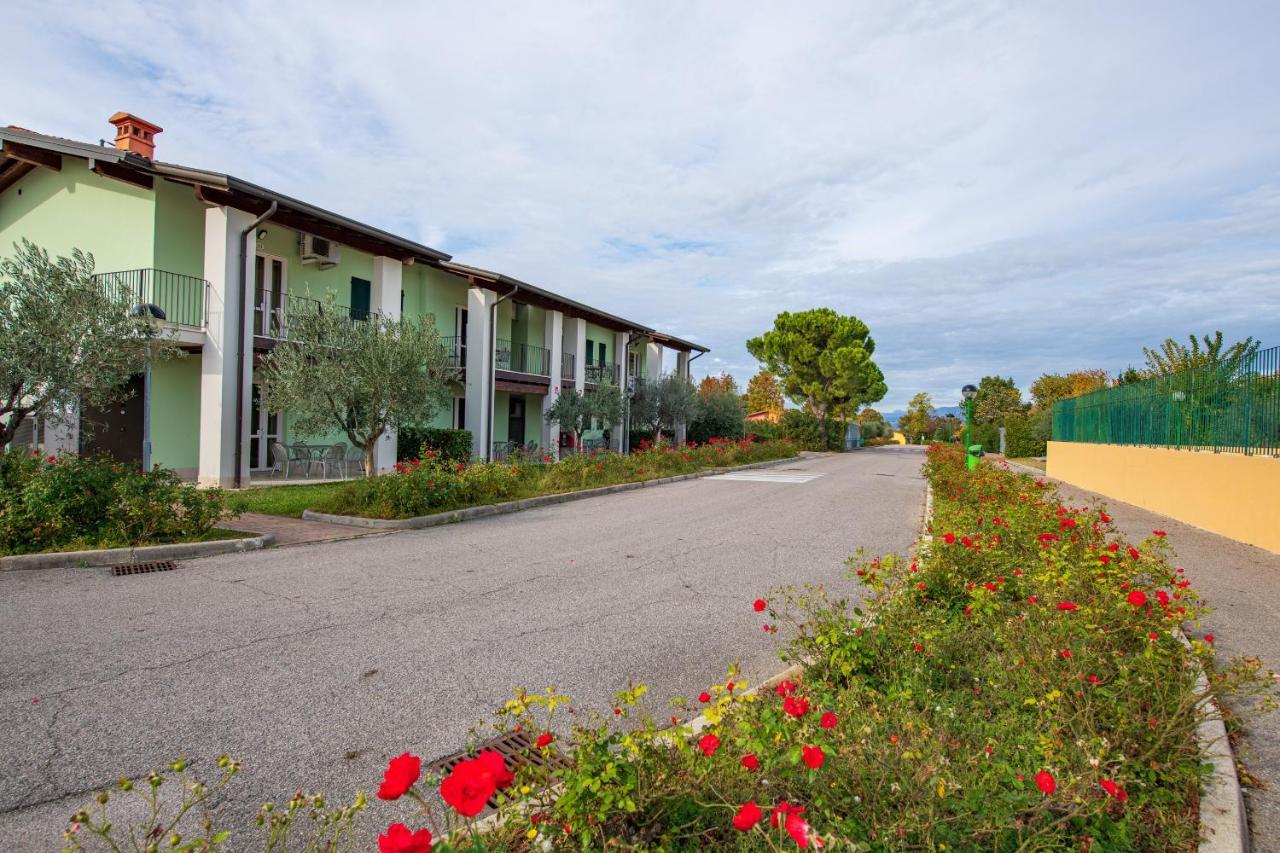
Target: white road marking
(767, 477)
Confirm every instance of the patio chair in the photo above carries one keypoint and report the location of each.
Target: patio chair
(280, 460)
(355, 458)
(336, 457)
(300, 454)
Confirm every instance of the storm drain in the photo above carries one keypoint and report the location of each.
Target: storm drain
(143, 568)
(516, 747)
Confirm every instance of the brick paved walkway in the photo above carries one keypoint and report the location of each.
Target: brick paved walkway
(295, 531)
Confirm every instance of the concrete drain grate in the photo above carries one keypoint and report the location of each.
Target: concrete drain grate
(516, 747)
(143, 568)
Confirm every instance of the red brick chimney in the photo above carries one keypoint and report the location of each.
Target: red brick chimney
(135, 134)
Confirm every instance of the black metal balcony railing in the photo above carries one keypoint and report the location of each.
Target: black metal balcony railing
(456, 347)
(522, 358)
(181, 297)
(597, 373)
(271, 314)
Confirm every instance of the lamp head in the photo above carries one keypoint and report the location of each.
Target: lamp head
(148, 311)
(969, 392)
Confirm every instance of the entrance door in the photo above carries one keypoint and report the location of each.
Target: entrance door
(116, 428)
(264, 428)
(269, 297)
(515, 420)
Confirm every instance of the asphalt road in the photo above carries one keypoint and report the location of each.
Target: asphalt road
(313, 664)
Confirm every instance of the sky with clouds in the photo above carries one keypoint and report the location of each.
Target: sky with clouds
(994, 188)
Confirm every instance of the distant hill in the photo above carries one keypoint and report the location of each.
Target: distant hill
(941, 411)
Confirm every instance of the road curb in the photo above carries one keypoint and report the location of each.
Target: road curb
(453, 516)
(141, 554)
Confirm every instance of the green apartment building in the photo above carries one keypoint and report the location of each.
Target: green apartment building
(229, 262)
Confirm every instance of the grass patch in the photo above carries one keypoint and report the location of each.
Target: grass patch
(282, 500)
(214, 535)
(1030, 462)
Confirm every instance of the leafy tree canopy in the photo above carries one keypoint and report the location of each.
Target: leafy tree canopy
(919, 417)
(574, 412)
(66, 338)
(823, 359)
(363, 377)
(1172, 356)
(997, 398)
(663, 403)
(1052, 387)
(722, 384)
(764, 394)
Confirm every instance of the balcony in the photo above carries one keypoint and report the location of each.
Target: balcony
(271, 315)
(181, 297)
(456, 347)
(522, 358)
(566, 367)
(597, 373)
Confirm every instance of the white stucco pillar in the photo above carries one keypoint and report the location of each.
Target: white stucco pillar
(384, 299)
(682, 370)
(554, 336)
(652, 361)
(617, 439)
(479, 392)
(219, 355)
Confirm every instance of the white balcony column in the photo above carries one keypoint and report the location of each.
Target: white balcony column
(223, 247)
(479, 391)
(385, 300)
(617, 441)
(652, 361)
(578, 336)
(682, 370)
(554, 336)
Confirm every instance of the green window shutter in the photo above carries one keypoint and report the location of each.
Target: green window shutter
(360, 293)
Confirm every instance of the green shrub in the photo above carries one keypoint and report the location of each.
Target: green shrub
(986, 434)
(1027, 434)
(75, 503)
(719, 415)
(452, 445)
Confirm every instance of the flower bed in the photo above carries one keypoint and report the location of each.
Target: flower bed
(431, 484)
(1019, 685)
(73, 503)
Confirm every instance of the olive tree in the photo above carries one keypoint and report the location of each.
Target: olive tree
(66, 338)
(664, 402)
(364, 377)
(574, 412)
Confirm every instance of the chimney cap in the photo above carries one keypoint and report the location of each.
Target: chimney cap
(129, 118)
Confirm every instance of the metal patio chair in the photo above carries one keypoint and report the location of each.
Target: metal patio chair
(280, 460)
(334, 456)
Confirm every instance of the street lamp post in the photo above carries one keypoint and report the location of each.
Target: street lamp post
(968, 392)
(150, 313)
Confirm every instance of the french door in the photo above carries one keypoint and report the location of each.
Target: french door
(264, 428)
(269, 296)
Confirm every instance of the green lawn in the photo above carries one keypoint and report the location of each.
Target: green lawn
(1030, 462)
(281, 500)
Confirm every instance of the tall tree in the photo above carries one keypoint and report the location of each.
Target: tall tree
(869, 416)
(919, 416)
(574, 412)
(363, 377)
(663, 403)
(1052, 387)
(823, 360)
(66, 340)
(1172, 356)
(997, 398)
(764, 394)
(720, 414)
(722, 384)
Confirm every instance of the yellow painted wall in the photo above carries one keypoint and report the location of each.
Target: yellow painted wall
(1227, 493)
(899, 437)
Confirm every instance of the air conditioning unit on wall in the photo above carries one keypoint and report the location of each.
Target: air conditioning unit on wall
(318, 250)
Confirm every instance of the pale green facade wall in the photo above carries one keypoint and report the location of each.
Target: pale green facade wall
(597, 335)
(179, 230)
(175, 413)
(75, 208)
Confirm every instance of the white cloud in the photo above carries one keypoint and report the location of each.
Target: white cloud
(992, 188)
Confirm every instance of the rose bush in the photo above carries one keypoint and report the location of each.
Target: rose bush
(433, 483)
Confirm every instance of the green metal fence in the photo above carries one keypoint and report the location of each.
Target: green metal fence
(1229, 406)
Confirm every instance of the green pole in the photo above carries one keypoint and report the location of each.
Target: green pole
(970, 460)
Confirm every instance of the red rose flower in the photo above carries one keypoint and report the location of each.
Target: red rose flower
(813, 756)
(1033, 599)
(704, 697)
(1105, 558)
(1133, 552)
(1106, 519)
(1065, 653)
(1114, 790)
(1066, 605)
(801, 832)
(1163, 598)
(544, 740)
(1158, 532)
(759, 605)
(1113, 547)
(949, 538)
(1137, 598)
(402, 771)
(1045, 782)
(795, 707)
(750, 761)
(472, 782)
(709, 744)
(1208, 638)
(785, 688)
(748, 816)
(829, 720)
(400, 839)
(781, 811)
